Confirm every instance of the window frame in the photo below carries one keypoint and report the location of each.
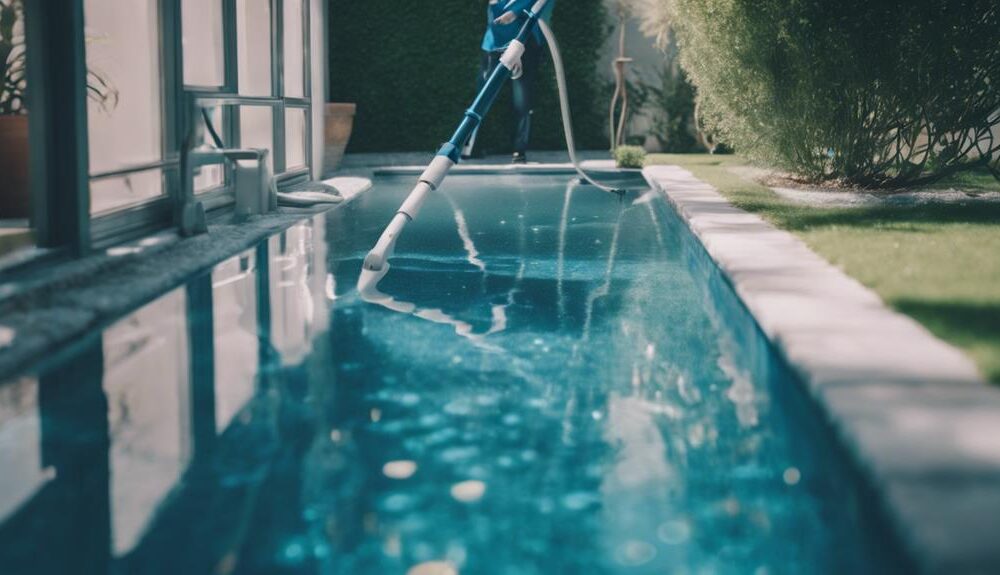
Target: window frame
(59, 147)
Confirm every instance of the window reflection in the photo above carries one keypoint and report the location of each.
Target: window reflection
(202, 41)
(298, 286)
(253, 36)
(24, 473)
(146, 380)
(234, 297)
(123, 56)
(294, 49)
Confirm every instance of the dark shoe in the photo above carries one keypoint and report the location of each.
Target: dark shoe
(519, 158)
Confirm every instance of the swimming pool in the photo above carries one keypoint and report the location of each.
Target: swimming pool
(559, 381)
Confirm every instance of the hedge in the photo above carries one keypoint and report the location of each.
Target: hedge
(411, 67)
(877, 93)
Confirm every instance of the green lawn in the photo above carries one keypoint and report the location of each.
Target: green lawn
(938, 264)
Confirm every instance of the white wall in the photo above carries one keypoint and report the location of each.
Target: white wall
(648, 61)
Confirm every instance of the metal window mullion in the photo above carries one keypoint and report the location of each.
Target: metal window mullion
(280, 164)
(307, 77)
(175, 114)
(306, 50)
(57, 68)
(138, 168)
(223, 98)
(278, 48)
(278, 84)
(230, 47)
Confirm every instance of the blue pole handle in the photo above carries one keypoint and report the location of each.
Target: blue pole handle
(484, 100)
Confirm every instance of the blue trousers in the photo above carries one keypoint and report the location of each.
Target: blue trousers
(523, 94)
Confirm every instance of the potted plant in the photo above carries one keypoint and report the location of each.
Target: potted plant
(338, 125)
(14, 192)
(14, 184)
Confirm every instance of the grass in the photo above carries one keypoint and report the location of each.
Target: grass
(939, 264)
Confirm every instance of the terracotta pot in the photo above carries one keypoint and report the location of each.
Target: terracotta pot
(338, 124)
(15, 189)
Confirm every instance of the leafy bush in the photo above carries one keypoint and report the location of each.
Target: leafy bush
(877, 93)
(630, 157)
(411, 67)
(675, 125)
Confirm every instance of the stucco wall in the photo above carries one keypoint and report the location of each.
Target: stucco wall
(648, 62)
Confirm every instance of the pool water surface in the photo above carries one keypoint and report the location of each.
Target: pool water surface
(558, 381)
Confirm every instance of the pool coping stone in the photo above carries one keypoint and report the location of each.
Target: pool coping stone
(913, 412)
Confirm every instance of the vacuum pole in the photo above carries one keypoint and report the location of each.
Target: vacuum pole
(376, 263)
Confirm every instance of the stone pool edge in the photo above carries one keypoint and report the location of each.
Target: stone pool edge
(911, 411)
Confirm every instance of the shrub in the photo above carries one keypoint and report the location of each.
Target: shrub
(411, 67)
(877, 93)
(675, 124)
(630, 157)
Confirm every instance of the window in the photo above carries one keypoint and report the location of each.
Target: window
(257, 127)
(125, 120)
(133, 65)
(211, 176)
(295, 138)
(294, 48)
(253, 41)
(201, 22)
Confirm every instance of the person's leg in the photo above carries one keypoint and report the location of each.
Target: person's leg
(488, 62)
(523, 99)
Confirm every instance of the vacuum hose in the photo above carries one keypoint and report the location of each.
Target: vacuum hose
(567, 120)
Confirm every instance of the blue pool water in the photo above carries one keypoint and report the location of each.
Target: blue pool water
(561, 383)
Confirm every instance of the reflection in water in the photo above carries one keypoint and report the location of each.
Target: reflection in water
(608, 408)
(146, 381)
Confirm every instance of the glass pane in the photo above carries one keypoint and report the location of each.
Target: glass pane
(253, 31)
(106, 195)
(146, 370)
(202, 38)
(25, 472)
(234, 293)
(295, 138)
(294, 51)
(124, 106)
(15, 188)
(256, 127)
(213, 175)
